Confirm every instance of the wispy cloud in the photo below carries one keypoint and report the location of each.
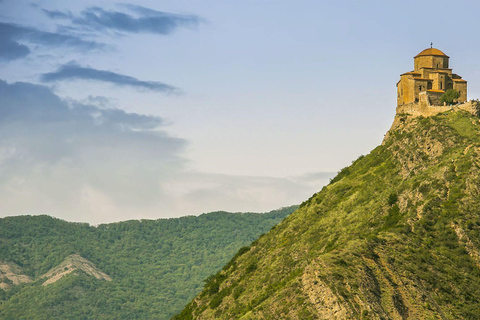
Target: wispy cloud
(72, 71)
(140, 20)
(56, 14)
(14, 41)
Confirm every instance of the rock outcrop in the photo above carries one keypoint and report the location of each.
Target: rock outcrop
(73, 263)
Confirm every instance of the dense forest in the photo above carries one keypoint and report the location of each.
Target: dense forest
(155, 266)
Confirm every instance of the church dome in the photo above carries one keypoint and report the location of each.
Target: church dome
(431, 52)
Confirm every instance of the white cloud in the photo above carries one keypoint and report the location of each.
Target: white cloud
(82, 162)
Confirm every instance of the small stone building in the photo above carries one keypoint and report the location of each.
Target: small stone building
(429, 80)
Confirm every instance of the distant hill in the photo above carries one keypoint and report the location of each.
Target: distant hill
(147, 269)
(396, 235)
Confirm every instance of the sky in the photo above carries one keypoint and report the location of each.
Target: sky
(112, 110)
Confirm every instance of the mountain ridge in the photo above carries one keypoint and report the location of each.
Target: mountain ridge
(156, 266)
(393, 236)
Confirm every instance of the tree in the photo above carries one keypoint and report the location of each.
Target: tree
(450, 96)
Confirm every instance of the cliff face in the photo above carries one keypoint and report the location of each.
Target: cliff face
(396, 235)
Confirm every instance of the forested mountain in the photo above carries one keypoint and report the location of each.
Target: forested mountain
(396, 235)
(147, 269)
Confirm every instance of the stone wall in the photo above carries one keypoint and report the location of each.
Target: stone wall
(425, 109)
(430, 62)
(461, 86)
(432, 97)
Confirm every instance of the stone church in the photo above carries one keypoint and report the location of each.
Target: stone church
(429, 80)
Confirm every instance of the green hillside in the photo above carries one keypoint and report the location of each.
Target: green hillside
(396, 235)
(146, 269)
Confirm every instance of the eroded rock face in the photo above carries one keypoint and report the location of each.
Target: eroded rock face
(70, 264)
(327, 304)
(11, 275)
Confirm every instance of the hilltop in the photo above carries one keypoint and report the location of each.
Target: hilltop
(396, 235)
(147, 269)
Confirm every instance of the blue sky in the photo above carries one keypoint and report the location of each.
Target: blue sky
(112, 110)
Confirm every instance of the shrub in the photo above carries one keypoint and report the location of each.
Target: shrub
(237, 292)
(392, 218)
(343, 173)
(450, 96)
(392, 199)
(251, 267)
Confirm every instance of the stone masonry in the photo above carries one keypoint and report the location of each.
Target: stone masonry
(429, 80)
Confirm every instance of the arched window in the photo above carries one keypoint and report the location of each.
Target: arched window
(441, 86)
(429, 86)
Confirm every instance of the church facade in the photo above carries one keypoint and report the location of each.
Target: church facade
(429, 80)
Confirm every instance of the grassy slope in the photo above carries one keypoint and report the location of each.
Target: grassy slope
(157, 266)
(395, 236)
